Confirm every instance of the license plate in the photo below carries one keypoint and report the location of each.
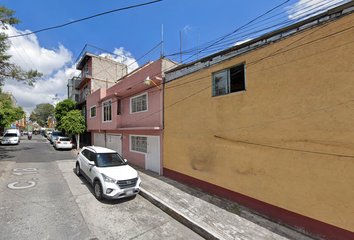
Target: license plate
(129, 192)
(65, 143)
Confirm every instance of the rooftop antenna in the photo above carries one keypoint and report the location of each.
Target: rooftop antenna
(198, 43)
(162, 42)
(180, 48)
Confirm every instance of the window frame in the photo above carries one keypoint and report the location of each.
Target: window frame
(94, 106)
(103, 108)
(131, 103)
(131, 145)
(228, 83)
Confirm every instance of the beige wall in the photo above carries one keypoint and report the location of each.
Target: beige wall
(288, 139)
(107, 69)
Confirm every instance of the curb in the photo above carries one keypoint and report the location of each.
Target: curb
(185, 220)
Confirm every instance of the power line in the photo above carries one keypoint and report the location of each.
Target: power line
(86, 18)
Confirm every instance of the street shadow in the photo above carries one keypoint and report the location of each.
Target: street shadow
(7, 151)
(85, 182)
(227, 205)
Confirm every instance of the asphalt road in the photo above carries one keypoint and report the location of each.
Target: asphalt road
(42, 198)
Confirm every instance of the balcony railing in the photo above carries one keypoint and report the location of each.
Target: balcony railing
(83, 96)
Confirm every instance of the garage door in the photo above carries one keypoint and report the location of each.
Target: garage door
(114, 142)
(99, 139)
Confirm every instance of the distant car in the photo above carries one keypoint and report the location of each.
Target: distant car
(49, 136)
(10, 138)
(55, 136)
(63, 143)
(16, 131)
(108, 172)
(25, 132)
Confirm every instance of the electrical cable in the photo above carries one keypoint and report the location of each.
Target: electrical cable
(86, 18)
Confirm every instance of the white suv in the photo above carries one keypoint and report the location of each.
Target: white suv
(108, 172)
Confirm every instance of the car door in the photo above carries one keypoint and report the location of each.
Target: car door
(90, 165)
(84, 161)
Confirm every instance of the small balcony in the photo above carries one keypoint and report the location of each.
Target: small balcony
(82, 96)
(85, 76)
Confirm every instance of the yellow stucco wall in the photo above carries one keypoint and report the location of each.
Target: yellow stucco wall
(288, 140)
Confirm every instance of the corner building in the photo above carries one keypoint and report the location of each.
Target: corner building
(269, 124)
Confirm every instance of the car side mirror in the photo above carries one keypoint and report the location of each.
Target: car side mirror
(91, 163)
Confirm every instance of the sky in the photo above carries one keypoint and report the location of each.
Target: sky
(197, 28)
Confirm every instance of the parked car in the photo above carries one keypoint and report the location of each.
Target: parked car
(10, 138)
(55, 136)
(108, 173)
(63, 143)
(16, 131)
(49, 136)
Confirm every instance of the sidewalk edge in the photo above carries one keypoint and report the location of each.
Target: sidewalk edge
(206, 233)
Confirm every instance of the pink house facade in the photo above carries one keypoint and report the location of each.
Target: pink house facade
(128, 117)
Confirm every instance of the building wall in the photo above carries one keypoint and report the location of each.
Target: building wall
(104, 68)
(286, 141)
(148, 123)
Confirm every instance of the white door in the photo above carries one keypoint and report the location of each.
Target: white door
(152, 160)
(114, 142)
(98, 139)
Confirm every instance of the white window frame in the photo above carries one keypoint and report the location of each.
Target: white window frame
(130, 144)
(103, 107)
(131, 103)
(226, 73)
(91, 111)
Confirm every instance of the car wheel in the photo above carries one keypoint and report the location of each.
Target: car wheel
(97, 190)
(77, 170)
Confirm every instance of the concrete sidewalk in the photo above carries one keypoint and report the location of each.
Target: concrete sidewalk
(208, 215)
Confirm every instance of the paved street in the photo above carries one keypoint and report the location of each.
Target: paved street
(42, 198)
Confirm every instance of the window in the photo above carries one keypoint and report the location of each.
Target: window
(119, 107)
(229, 80)
(93, 112)
(107, 111)
(138, 104)
(138, 143)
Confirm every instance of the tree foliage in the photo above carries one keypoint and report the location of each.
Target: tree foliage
(9, 114)
(8, 69)
(61, 110)
(74, 123)
(41, 113)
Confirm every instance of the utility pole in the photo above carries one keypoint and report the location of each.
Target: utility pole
(56, 100)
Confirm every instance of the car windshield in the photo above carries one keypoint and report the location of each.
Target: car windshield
(64, 139)
(10, 135)
(109, 160)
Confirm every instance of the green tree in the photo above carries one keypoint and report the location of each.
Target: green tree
(8, 69)
(61, 110)
(9, 114)
(41, 113)
(74, 123)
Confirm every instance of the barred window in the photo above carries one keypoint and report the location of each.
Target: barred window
(138, 104)
(107, 111)
(138, 144)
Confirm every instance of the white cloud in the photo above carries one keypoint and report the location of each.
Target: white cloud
(243, 41)
(56, 64)
(124, 57)
(308, 8)
(43, 91)
(27, 53)
(186, 29)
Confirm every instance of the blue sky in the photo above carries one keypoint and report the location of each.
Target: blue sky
(131, 32)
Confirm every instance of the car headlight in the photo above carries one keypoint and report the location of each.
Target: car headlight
(108, 179)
